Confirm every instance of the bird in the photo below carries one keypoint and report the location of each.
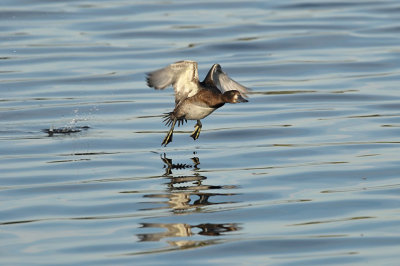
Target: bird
(195, 100)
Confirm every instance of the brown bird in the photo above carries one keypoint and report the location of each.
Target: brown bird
(194, 100)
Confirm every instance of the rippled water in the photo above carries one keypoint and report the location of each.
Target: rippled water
(305, 173)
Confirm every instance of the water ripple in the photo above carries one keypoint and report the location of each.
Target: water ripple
(305, 173)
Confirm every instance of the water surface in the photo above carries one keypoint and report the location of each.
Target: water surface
(305, 173)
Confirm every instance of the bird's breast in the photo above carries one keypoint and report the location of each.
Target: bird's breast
(194, 111)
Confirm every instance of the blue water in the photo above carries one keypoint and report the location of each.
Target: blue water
(306, 173)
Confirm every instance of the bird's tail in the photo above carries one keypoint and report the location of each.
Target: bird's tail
(170, 117)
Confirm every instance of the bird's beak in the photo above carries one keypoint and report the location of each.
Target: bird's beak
(240, 99)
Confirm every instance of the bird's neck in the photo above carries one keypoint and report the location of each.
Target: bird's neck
(212, 99)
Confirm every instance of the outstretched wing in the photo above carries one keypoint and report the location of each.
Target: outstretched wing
(223, 82)
(182, 75)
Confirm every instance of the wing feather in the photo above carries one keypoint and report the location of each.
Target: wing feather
(182, 75)
(225, 83)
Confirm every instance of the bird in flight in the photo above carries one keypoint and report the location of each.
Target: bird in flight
(194, 99)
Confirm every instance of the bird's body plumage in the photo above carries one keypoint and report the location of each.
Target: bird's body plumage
(195, 100)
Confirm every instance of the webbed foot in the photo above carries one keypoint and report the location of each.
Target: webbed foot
(196, 133)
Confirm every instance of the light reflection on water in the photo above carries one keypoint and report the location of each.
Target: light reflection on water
(305, 173)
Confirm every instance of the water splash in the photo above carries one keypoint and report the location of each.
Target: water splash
(72, 126)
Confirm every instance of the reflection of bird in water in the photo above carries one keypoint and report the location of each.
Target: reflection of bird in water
(171, 166)
(194, 100)
(181, 189)
(173, 230)
(184, 230)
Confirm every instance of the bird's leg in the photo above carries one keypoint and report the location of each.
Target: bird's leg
(197, 128)
(168, 137)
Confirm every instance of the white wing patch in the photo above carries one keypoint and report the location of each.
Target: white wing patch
(182, 75)
(225, 83)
